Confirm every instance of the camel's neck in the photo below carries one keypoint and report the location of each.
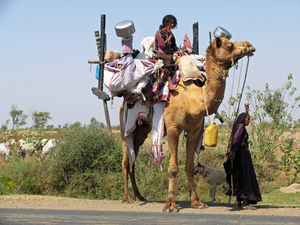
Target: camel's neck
(215, 84)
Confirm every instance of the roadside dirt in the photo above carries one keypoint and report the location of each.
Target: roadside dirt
(45, 202)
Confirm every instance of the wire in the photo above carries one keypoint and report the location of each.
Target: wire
(22, 87)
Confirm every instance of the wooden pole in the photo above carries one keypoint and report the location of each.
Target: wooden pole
(101, 43)
(195, 48)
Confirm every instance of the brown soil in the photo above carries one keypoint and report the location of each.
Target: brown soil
(44, 202)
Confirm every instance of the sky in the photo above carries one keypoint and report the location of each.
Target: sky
(45, 46)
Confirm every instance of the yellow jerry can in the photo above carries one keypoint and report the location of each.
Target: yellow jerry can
(211, 135)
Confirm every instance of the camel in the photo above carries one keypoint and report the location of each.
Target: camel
(185, 111)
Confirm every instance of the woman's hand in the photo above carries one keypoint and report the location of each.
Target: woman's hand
(231, 155)
(170, 34)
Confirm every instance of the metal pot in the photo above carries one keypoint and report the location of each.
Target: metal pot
(222, 33)
(125, 29)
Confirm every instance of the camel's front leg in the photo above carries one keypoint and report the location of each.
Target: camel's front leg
(192, 141)
(173, 137)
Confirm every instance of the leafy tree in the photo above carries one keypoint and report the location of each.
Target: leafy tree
(4, 126)
(18, 117)
(94, 123)
(272, 126)
(50, 127)
(77, 124)
(40, 119)
(274, 104)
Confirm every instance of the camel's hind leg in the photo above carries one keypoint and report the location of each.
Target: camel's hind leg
(139, 135)
(191, 145)
(125, 170)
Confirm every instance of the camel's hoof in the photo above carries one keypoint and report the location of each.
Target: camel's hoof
(167, 210)
(203, 206)
(176, 210)
(128, 200)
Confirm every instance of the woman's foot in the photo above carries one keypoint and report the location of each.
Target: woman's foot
(239, 205)
(246, 206)
(249, 207)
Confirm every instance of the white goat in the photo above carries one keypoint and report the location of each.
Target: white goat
(26, 148)
(4, 150)
(147, 43)
(48, 147)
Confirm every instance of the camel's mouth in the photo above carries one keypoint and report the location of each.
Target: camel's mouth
(250, 54)
(251, 51)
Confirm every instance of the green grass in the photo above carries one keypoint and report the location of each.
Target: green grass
(87, 169)
(280, 199)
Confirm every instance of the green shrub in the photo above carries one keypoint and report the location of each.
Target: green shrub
(90, 149)
(6, 184)
(28, 175)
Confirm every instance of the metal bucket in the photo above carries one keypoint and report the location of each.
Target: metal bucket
(222, 33)
(125, 29)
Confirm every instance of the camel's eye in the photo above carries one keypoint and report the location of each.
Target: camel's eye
(231, 47)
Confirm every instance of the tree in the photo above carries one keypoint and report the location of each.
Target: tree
(4, 126)
(272, 128)
(274, 104)
(95, 123)
(40, 119)
(75, 125)
(18, 117)
(50, 127)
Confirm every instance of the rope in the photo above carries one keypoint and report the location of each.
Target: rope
(206, 106)
(210, 96)
(231, 89)
(100, 63)
(243, 85)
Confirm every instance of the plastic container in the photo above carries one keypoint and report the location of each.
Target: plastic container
(211, 135)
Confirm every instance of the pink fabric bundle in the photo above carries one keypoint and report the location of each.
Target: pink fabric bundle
(127, 45)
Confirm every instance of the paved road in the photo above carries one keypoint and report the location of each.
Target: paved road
(42, 216)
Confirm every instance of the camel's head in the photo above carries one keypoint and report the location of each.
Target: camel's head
(226, 53)
(243, 48)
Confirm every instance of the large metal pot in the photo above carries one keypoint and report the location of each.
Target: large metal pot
(222, 33)
(125, 29)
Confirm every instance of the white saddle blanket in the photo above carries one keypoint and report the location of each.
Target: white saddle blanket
(131, 72)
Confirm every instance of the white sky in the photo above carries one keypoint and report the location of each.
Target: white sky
(45, 46)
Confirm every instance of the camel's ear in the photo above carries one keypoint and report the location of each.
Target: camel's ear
(218, 42)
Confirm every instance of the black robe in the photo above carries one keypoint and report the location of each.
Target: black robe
(244, 178)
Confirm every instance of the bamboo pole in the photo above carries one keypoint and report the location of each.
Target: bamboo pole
(195, 48)
(101, 44)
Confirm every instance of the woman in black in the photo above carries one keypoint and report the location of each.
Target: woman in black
(245, 185)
